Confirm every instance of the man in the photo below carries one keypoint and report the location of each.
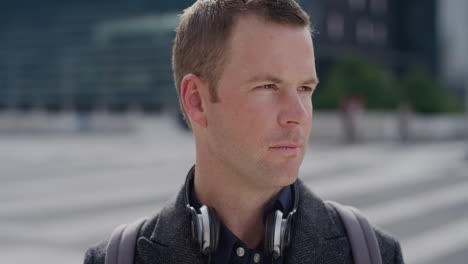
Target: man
(245, 74)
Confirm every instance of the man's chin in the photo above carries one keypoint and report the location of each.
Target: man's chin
(284, 176)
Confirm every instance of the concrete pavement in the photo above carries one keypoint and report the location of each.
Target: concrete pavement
(60, 194)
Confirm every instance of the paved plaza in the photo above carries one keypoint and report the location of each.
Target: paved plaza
(61, 193)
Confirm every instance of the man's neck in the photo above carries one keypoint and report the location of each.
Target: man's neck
(239, 206)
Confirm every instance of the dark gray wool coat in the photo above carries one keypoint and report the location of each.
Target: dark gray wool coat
(318, 237)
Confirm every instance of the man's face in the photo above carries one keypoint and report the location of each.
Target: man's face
(260, 127)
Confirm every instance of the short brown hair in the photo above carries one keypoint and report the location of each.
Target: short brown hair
(200, 45)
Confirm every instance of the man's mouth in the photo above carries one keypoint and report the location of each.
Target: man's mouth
(291, 149)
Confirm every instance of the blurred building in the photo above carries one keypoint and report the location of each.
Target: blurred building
(395, 33)
(453, 39)
(86, 55)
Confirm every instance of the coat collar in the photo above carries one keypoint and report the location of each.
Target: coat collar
(314, 231)
(171, 240)
(314, 234)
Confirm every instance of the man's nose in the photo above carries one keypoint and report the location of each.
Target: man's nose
(295, 109)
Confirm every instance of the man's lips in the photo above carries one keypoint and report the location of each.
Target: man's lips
(287, 148)
(287, 145)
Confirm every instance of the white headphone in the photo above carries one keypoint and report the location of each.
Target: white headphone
(205, 225)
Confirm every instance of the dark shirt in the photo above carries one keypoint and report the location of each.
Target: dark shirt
(233, 250)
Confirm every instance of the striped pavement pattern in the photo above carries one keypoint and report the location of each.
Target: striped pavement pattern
(59, 195)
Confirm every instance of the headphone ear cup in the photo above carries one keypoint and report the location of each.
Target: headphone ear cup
(214, 229)
(269, 233)
(274, 239)
(196, 227)
(287, 233)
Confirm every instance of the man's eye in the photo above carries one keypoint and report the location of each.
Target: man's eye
(305, 89)
(268, 86)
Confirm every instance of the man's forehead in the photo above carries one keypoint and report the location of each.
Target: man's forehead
(260, 50)
(251, 24)
(253, 34)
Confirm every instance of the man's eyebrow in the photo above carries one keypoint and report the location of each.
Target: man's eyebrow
(312, 81)
(273, 79)
(264, 77)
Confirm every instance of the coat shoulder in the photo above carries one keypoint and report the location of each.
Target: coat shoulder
(390, 249)
(96, 254)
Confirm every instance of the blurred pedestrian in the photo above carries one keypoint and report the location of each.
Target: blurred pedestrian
(352, 110)
(404, 119)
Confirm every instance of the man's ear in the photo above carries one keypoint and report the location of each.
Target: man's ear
(192, 99)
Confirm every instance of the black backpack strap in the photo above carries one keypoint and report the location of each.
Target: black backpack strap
(361, 235)
(122, 243)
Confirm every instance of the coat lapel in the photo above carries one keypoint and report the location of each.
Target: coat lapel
(171, 240)
(315, 234)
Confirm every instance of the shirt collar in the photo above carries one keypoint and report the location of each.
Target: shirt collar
(282, 202)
